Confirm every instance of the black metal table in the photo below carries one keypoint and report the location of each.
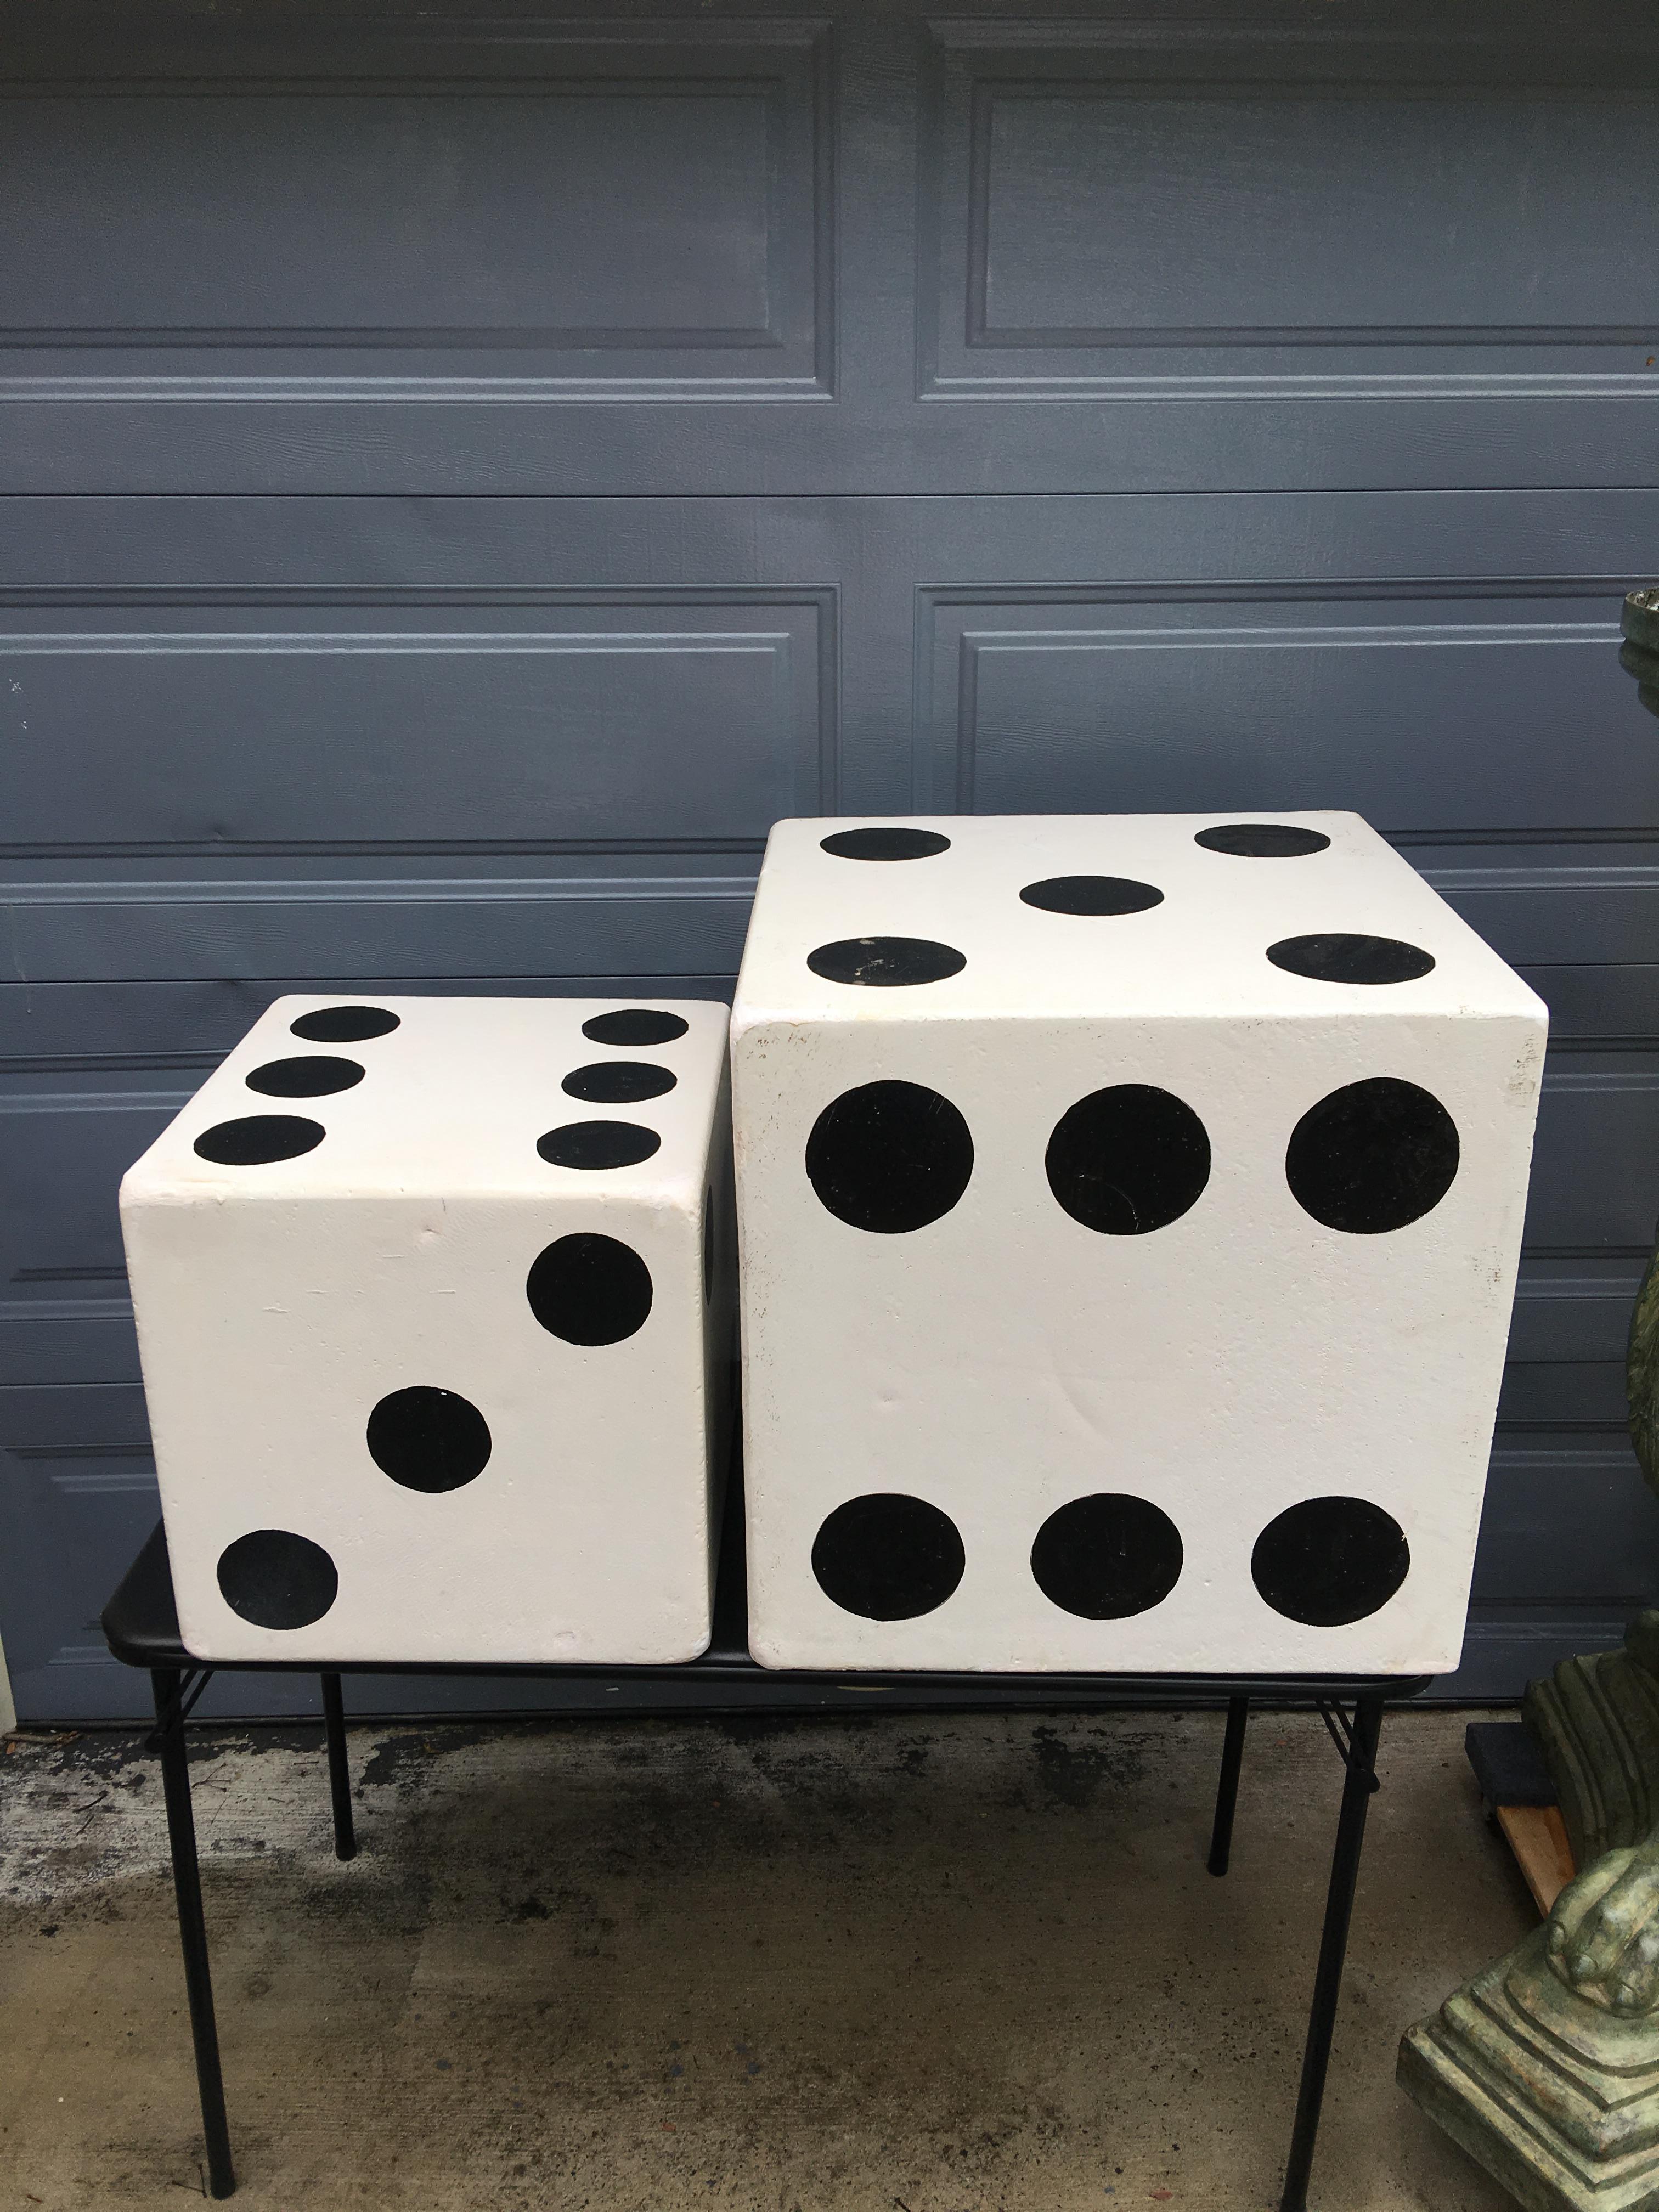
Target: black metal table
(140, 1624)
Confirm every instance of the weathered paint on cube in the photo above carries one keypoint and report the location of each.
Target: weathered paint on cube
(1129, 1208)
(433, 1309)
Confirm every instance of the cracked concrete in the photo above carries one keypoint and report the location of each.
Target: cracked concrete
(952, 1964)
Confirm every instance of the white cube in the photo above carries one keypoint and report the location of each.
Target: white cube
(433, 1311)
(1129, 1210)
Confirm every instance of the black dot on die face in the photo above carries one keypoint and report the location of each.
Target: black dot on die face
(1372, 1157)
(277, 1579)
(618, 1082)
(428, 1439)
(344, 1025)
(888, 1557)
(885, 844)
(1263, 841)
(885, 963)
(1106, 1557)
(595, 1144)
(635, 1025)
(1092, 895)
(308, 1075)
(589, 1289)
(890, 1157)
(1338, 957)
(254, 1140)
(1128, 1160)
(1330, 1560)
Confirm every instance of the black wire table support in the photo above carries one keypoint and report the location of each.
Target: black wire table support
(140, 1626)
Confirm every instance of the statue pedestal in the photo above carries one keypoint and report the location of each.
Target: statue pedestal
(1557, 2098)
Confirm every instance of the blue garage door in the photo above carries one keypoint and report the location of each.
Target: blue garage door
(461, 481)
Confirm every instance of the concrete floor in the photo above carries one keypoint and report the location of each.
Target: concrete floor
(957, 1964)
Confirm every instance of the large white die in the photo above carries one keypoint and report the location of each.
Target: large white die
(433, 1311)
(1129, 1210)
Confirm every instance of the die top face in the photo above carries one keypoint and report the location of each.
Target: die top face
(1282, 916)
(341, 1096)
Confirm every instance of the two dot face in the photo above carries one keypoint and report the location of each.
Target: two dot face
(1325, 1563)
(891, 1158)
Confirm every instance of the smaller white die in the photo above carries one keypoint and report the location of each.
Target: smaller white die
(434, 1313)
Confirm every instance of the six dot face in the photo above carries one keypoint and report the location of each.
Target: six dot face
(1263, 841)
(1330, 1561)
(595, 1145)
(255, 1140)
(308, 1075)
(888, 1557)
(1338, 958)
(890, 1157)
(886, 963)
(590, 1290)
(428, 1439)
(1092, 895)
(277, 1579)
(1373, 1157)
(618, 1082)
(344, 1025)
(1127, 1160)
(635, 1025)
(1107, 1556)
(885, 844)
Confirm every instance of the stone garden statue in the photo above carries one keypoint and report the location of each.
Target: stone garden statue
(1546, 2067)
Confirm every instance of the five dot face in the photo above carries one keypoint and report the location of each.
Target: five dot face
(1107, 1556)
(890, 1157)
(595, 1144)
(590, 1290)
(1330, 1561)
(888, 1557)
(1338, 957)
(428, 1439)
(885, 963)
(635, 1025)
(1127, 1160)
(308, 1075)
(1092, 895)
(1372, 1157)
(885, 844)
(618, 1082)
(277, 1579)
(1263, 841)
(255, 1140)
(344, 1025)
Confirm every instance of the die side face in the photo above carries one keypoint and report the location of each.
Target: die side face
(460, 1410)
(1135, 1299)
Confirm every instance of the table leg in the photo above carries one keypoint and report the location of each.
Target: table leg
(339, 1773)
(1358, 1783)
(1226, 1796)
(167, 1684)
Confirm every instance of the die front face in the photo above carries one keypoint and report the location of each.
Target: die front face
(1132, 1294)
(433, 1332)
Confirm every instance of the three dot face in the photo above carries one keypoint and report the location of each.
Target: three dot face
(590, 1290)
(275, 1579)
(890, 1157)
(428, 1439)
(1373, 1157)
(1129, 1159)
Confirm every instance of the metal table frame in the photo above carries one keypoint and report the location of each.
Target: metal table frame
(142, 1626)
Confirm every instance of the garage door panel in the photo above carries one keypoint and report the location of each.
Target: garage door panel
(1567, 1522)
(289, 725)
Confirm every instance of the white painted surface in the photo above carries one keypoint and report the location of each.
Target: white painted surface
(1006, 1360)
(278, 1304)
